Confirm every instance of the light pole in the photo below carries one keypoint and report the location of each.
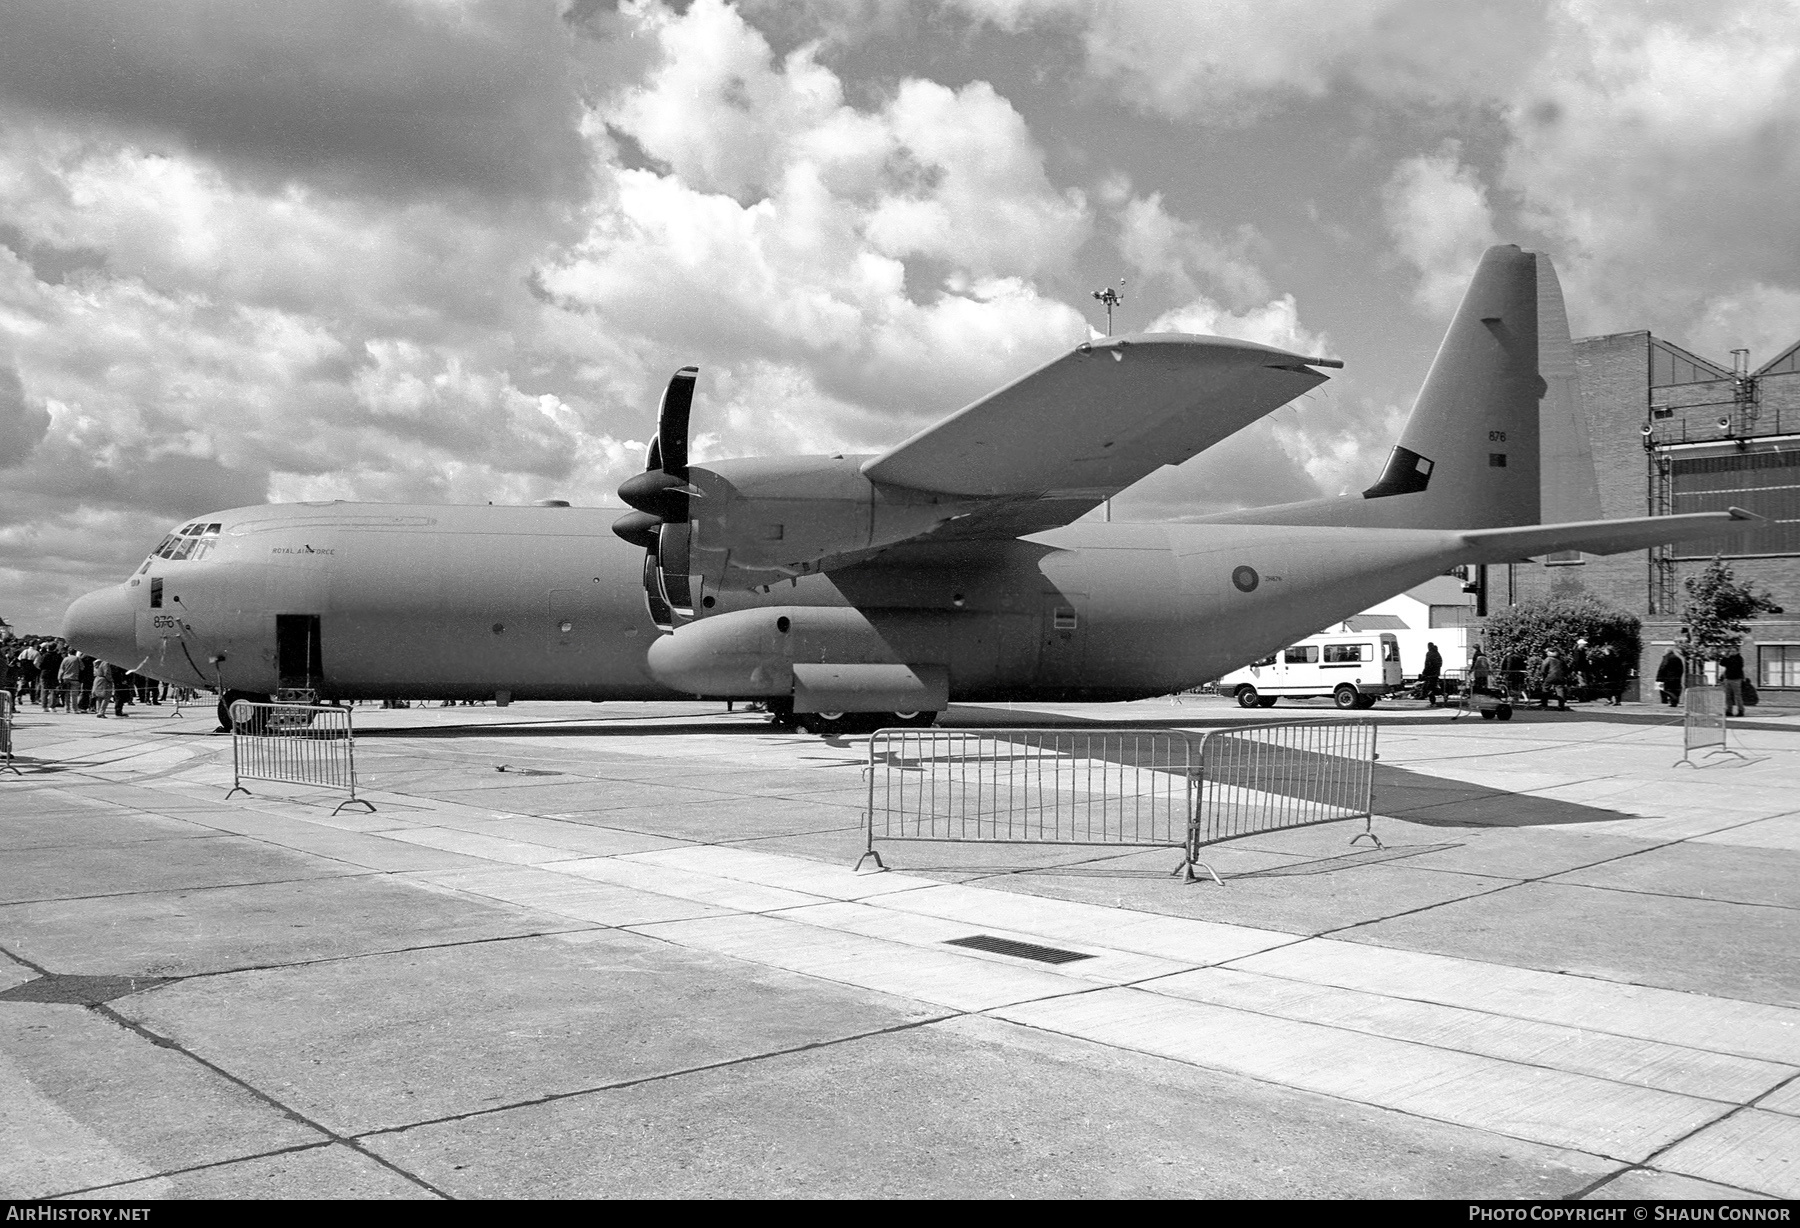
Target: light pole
(1112, 298)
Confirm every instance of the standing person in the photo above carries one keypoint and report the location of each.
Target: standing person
(49, 666)
(1731, 673)
(99, 690)
(1512, 676)
(1556, 681)
(123, 690)
(27, 667)
(1580, 667)
(68, 681)
(1478, 672)
(1669, 674)
(1428, 677)
(85, 680)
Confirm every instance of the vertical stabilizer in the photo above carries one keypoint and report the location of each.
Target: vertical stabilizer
(1469, 457)
(1570, 490)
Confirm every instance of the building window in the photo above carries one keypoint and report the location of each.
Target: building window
(1767, 483)
(1778, 665)
(1452, 616)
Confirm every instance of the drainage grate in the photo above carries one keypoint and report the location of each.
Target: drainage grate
(1022, 950)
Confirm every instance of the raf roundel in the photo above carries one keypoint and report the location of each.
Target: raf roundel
(1246, 579)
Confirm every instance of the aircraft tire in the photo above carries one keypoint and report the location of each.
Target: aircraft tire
(1247, 696)
(910, 720)
(781, 715)
(230, 697)
(1346, 697)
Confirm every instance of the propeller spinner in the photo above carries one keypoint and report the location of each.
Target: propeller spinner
(660, 495)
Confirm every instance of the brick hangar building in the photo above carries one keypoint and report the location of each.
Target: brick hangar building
(1672, 432)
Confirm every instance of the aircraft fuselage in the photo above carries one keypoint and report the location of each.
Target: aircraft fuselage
(362, 601)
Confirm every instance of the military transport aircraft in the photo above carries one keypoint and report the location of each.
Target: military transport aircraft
(843, 591)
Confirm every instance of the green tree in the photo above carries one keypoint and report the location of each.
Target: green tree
(1715, 611)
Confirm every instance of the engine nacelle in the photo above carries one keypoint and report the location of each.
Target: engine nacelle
(764, 519)
(827, 658)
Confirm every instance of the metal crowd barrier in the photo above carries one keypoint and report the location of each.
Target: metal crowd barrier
(6, 727)
(1703, 724)
(1118, 788)
(300, 744)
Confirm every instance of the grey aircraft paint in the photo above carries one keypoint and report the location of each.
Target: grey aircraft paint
(823, 584)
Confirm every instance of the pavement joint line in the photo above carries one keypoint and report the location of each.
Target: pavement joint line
(722, 1064)
(1146, 985)
(1307, 1091)
(1481, 1010)
(362, 872)
(1523, 882)
(1662, 895)
(196, 1168)
(1649, 1161)
(293, 1114)
(162, 1042)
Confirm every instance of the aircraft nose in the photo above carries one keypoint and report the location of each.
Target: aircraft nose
(104, 625)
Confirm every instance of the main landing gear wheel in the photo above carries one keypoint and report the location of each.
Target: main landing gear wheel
(1345, 697)
(1247, 697)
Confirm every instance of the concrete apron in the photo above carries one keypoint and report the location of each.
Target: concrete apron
(637, 962)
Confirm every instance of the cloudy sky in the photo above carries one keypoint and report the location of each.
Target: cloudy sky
(450, 250)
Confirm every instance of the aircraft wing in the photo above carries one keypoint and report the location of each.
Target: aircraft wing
(1600, 536)
(1094, 421)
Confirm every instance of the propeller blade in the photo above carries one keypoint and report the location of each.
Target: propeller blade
(638, 528)
(672, 421)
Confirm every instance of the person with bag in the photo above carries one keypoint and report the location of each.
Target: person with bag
(1731, 673)
(1669, 675)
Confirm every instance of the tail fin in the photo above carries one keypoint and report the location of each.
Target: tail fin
(1569, 489)
(1469, 457)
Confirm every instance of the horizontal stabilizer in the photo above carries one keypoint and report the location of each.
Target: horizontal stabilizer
(1099, 418)
(1600, 536)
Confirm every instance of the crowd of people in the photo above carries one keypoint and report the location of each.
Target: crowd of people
(44, 670)
(1580, 673)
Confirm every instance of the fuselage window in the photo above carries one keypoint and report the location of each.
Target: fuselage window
(1064, 619)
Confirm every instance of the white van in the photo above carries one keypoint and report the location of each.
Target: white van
(1354, 670)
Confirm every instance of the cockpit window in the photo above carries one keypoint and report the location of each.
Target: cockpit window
(191, 542)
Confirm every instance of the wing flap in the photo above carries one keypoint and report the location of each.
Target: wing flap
(1099, 418)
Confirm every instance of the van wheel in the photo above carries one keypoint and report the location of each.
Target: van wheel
(1345, 697)
(1247, 697)
(1267, 701)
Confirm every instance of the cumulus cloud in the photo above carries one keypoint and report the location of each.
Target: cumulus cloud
(1437, 211)
(385, 96)
(1233, 61)
(882, 259)
(1656, 148)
